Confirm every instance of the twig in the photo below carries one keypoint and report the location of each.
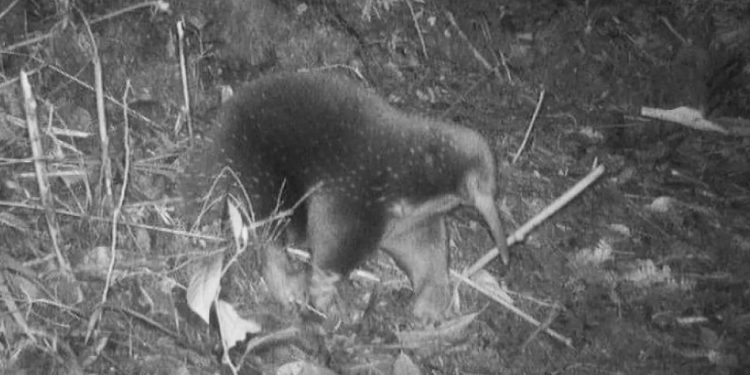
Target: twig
(143, 318)
(521, 232)
(523, 315)
(486, 64)
(504, 61)
(121, 200)
(416, 26)
(26, 42)
(488, 35)
(12, 308)
(105, 171)
(466, 94)
(12, 81)
(360, 275)
(108, 220)
(477, 54)
(671, 28)
(8, 8)
(9, 263)
(253, 225)
(543, 328)
(286, 334)
(41, 170)
(183, 74)
(159, 5)
(75, 79)
(530, 127)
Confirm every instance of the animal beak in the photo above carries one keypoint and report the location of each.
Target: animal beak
(485, 204)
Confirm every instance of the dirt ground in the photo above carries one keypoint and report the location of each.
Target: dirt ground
(645, 272)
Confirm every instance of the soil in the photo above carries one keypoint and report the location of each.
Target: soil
(645, 272)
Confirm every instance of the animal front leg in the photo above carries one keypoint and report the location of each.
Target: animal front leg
(287, 285)
(422, 253)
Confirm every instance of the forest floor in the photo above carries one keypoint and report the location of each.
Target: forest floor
(647, 271)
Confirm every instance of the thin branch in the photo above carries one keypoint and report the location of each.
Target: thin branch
(463, 278)
(105, 171)
(548, 211)
(462, 98)
(159, 5)
(108, 220)
(530, 127)
(183, 74)
(8, 8)
(416, 26)
(12, 308)
(41, 170)
(121, 200)
(477, 55)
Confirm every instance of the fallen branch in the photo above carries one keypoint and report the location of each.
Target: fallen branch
(523, 315)
(158, 5)
(185, 88)
(41, 171)
(530, 127)
(416, 26)
(524, 230)
(105, 171)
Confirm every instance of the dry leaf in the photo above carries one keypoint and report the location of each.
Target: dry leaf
(239, 231)
(232, 326)
(405, 366)
(204, 286)
(13, 221)
(303, 368)
(686, 116)
(490, 284)
(662, 204)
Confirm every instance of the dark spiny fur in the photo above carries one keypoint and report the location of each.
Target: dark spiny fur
(373, 166)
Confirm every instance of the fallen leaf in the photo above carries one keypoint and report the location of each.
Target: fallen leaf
(204, 286)
(403, 365)
(232, 326)
(490, 284)
(303, 368)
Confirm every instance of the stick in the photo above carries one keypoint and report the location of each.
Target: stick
(112, 100)
(524, 230)
(41, 170)
(8, 8)
(568, 342)
(105, 170)
(159, 5)
(529, 128)
(108, 220)
(183, 74)
(416, 26)
(13, 309)
(121, 200)
(462, 98)
(477, 54)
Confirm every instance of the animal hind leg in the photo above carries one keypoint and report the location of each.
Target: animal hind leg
(422, 253)
(341, 233)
